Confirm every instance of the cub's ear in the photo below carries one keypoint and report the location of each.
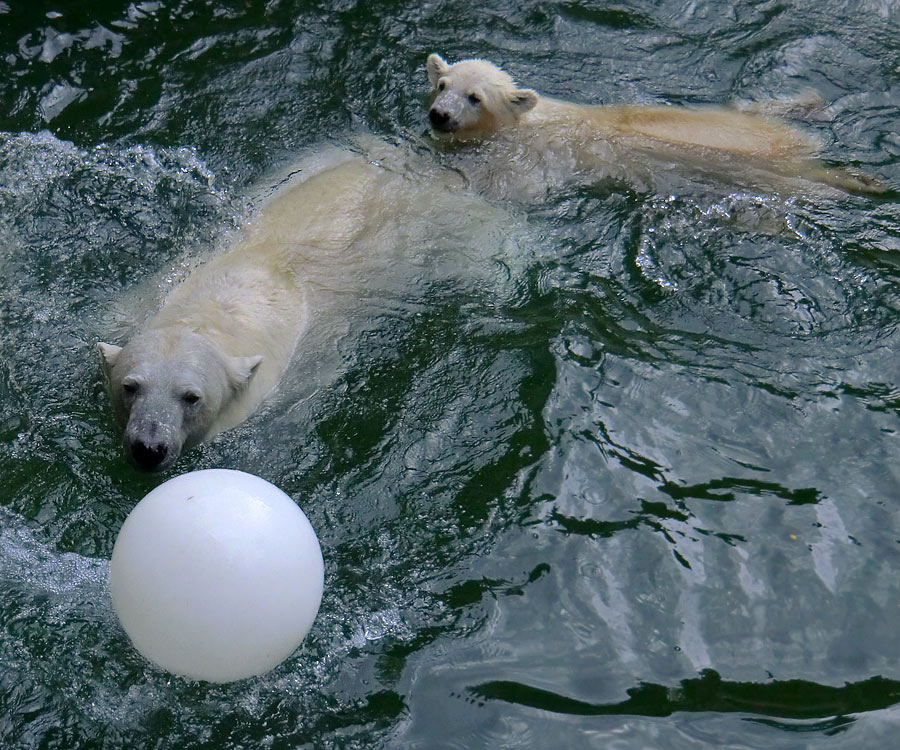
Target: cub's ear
(109, 353)
(522, 100)
(240, 370)
(436, 67)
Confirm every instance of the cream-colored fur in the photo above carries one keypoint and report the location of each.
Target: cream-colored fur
(225, 336)
(474, 100)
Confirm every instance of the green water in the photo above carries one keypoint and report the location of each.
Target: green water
(633, 483)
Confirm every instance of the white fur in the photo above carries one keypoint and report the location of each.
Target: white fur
(476, 100)
(225, 336)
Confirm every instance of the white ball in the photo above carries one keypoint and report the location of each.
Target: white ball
(216, 575)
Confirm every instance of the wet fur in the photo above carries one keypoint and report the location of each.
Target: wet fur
(474, 100)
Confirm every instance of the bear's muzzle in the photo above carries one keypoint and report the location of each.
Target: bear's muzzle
(148, 457)
(441, 121)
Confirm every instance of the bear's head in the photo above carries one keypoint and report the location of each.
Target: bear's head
(474, 97)
(168, 387)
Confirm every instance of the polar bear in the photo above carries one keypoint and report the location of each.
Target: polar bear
(474, 100)
(225, 336)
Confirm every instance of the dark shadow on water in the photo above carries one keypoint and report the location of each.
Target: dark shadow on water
(779, 699)
(725, 488)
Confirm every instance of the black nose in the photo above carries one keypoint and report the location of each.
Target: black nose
(148, 457)
(439, 120)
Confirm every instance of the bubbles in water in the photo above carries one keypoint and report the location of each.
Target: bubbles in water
(37, 567)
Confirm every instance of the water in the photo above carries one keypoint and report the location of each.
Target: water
(623, 476)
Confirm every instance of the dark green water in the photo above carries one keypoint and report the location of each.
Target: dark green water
(640, 492)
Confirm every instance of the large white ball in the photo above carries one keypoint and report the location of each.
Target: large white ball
(216, 575)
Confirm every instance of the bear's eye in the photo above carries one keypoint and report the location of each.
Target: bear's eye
(474, 99)
(131, 387)
(442, 85)
(190, 398)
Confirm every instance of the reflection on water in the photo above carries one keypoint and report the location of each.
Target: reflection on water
(624, 476)
(791, 699)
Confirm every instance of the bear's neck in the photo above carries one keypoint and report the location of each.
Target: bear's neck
(549, 111)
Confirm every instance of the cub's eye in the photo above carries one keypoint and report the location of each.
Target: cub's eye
(191, 398)
(442, 85)
(130, 387)
(474, 99)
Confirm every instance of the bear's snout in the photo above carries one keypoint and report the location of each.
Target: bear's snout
(148, 456)
(440, 120)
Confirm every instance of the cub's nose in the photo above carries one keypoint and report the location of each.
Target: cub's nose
(439, 120)
(148, 457)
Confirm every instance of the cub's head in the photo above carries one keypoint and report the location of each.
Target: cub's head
(474, 97)
(168, 387)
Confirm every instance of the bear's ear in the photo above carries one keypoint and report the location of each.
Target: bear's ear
(436, 67)
(109, 353)
(523, 100)
(240, 370)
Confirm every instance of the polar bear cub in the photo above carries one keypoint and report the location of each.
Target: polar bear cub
(224, 336)
(475, 100)
(347, 223)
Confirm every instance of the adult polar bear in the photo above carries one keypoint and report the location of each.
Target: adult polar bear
(476, 100)
(225, 336)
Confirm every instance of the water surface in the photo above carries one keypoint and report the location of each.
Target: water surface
(623, 474)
